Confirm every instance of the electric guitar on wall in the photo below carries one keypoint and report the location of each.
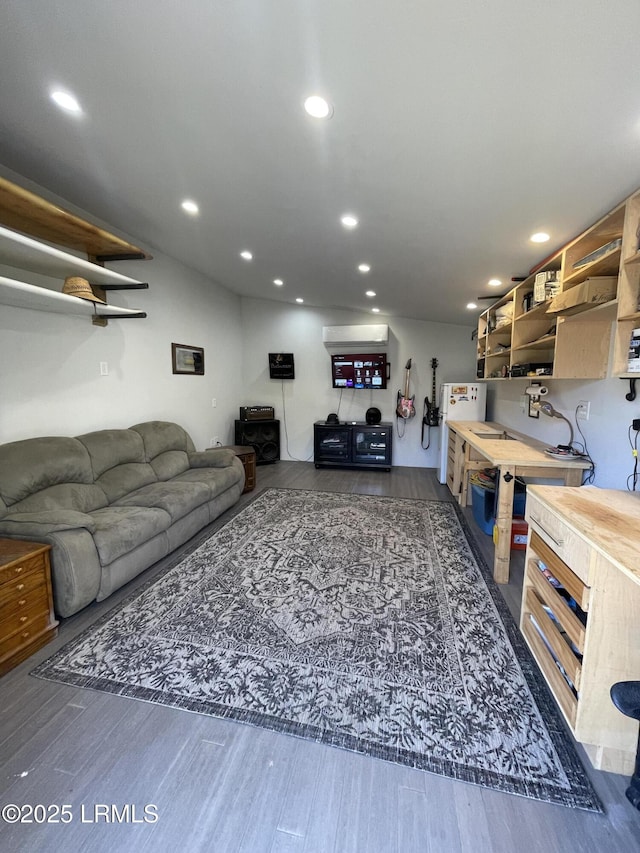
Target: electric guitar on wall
(406, 404)
(431, 411)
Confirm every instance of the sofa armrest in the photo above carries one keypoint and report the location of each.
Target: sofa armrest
(215, 458)
(41, 523)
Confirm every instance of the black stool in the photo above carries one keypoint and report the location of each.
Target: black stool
(625, 695)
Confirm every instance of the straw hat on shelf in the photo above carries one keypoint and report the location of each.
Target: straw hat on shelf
(75, 285)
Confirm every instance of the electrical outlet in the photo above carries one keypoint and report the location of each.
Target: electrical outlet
(584, 410)
(214, 402)
(104, 368)
(215, 441)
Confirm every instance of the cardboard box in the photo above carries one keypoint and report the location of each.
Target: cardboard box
(593, 291)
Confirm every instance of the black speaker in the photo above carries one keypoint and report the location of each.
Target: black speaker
(263, 436)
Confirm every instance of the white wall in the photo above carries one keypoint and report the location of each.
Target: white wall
(606, 431)
(50, 382)
(279, 327)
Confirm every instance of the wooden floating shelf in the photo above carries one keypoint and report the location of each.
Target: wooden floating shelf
(25, 253)
(27, 212)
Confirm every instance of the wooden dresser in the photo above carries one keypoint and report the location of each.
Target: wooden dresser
(583, 623)
(26, 603)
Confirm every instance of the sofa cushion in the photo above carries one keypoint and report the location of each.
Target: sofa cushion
(169, 464)
(110, 447)
(35, 464)
(118, 461)
(160, 436)
(124, 479)
(120, 529)
(217, 457)
(166, 446)
(43, 522)
(176, 498)
(78, 497)
(217, 480)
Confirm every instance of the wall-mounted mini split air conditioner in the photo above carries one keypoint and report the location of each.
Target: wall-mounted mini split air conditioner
(355, 335)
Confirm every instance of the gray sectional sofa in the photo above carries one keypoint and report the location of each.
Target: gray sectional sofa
(111, 503)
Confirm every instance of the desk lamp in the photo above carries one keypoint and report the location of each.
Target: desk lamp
(547, 409)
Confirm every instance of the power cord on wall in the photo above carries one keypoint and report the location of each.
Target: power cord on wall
(286, 433)
(590, 473)
(632, 479)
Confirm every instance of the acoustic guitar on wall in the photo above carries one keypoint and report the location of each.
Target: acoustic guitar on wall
(406, 405)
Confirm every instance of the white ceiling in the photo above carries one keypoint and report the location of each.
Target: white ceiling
(459, 128)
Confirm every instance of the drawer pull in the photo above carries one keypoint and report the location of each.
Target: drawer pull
(20, 587)
(25, 634)
(19, 569)
(22, 602)
(543, 528)
(24, 618)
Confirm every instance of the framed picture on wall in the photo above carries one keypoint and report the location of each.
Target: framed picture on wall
(186, 359)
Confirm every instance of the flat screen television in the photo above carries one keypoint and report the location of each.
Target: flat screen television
(359, 370)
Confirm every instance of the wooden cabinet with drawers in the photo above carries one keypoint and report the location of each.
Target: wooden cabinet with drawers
(580, 610)
(26, 603)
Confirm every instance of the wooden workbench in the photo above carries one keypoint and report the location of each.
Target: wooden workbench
(474, 445)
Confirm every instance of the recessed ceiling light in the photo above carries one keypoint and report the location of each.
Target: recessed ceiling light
(364, 267)
(471, 305)
(370, 293)
(246, 255)
(539, 237)
(66, 101)
(375, 310)
(349, 220)
(190, 207)
(299, 299)
(278, 281)
(495, 282)
(318, 107)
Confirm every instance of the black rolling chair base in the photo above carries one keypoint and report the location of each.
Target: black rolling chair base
(625, 695)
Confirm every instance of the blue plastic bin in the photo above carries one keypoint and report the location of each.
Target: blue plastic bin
(483, 504)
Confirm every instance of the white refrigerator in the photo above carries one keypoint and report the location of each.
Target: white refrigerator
(459, 401)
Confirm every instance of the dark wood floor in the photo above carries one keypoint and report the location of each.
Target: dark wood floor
(224, 787)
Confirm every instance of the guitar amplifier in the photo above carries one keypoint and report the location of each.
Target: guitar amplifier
(257, 413)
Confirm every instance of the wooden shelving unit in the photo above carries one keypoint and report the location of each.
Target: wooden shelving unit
(21, 209)
(628, 289)
(575, 342)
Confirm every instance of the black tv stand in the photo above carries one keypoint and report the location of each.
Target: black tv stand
(352, 445)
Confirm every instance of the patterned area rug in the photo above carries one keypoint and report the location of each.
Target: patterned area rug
(364, 622)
